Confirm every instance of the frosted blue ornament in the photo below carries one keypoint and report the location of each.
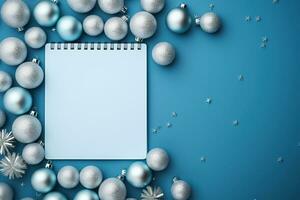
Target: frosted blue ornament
(179, 20)
(55, 196)
(69, 28)
(138, 174)
(43, 180)
(86, 195)
(46, 13)
(17, 100)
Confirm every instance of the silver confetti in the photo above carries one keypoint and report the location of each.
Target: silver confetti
(241, 77)
(211, 6)
(235, 122)
(280, 159)
(208, 100)
(168, 125)
(203, 159)
(258, 18)
(174, 114)
(247, 18)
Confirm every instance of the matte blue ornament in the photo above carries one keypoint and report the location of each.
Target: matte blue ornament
(138, 174)
(46, 13)
(86, 195)
(69, 28)
(55, 196)
(17, 100)
(43, 180)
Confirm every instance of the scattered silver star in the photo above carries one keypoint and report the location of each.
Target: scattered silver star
(203, 159)
(13, 166)
(155, 130)
(208, 100)
(247, 18)
(264, 39)
(263, 45)
(235, 122)
(258, 18)
(280, 159)
(168, 125)
(152, 193)
(241, 77)
(174, 114)
(211, 6)
(6, 142)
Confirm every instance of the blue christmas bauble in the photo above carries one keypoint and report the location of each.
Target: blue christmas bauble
(43, 180)
(69, 28)
(55, 196)
(86, 195)
(139, 175)
(17, 100)
(46, 13)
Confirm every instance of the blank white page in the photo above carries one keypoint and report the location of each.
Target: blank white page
(96, 101)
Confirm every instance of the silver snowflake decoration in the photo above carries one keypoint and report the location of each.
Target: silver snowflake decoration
(13, 166)
(152, 193)
(6, 142)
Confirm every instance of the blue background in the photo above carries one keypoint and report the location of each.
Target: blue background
(241, 161)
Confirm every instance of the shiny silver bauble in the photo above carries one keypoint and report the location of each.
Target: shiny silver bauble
(143, 25)
(13, 51)
(163, 53)
(26, 129)
(33, 153)
(111, 6)
(180, 190)
(90, 177)
(15, 13)
(5, 81)
(68, 177)
(55, 196)
(153, 6)
(112, 189)
(43, 180)
(86, 195)
(138, 174)
(35, 37)
(82, 6)
(17, 100)
(69, 28)
(93, 25)
(179, 20)
(209, 22)
(115, 28)
(27, 198)
(2, 118)
(6, 192)
(157, 159)
(46, 13)
(29, 75)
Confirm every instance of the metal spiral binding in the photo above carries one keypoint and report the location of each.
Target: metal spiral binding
(95, 46)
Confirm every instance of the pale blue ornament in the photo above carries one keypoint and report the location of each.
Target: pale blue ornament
(86, 195)
(17, 100)
(55, 196)
(139, 175)
(179, 20)
(46, 13)
(43, 180)
(69, 28)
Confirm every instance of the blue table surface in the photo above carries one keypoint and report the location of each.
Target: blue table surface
(241, 161)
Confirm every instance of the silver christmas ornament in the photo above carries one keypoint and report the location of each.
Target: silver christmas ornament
(93, 25)
(139, 175)
(43, 180)
(82, 6)
(209, 22)
(153, 6)
(7, 141)
(6, 192)
(157, 159)
(163, 53)
(68, 177)
(27, 198)
(15, 13)
(143, 25)
(116, 28)
(55, 196)
(112, 189)
(46, 13)
(35, 37)
(29, 75)
(33, 153)
(112, 6)
(5, 81)
(13, 166)
(26, 128)
(152, 193)
(90, 177)
(86, 195)
(69, 28)
(2, 118)
(17, 100)
(13, 51)
(179, 20)
(180, 190)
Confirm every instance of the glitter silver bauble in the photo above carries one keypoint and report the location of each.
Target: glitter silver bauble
(90, 177)
(43, 180)
(112, 189)
(46, 13)
(180, 190)
(6, 192)
(163, 53)
(29, 75)
(69, 28)
(82, 6)
(68, 177)
(179, 20)
(209, 22)
(15, 13)
(157, 159)
(111, 6)
(5, 81)
(2, 118)
(138, 174)
(86, 195)
(143, 25)
(93, 25)
(13, 51)
(17, 100)
(153, 6)
(33, 153)
(116, 28)
(35, 37)
(55, 196)
(26, 128)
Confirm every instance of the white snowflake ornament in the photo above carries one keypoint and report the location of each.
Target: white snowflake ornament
(6, 142)
(13, 166)
(152, 193)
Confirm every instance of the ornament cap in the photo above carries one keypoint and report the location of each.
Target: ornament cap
(33, 113)
(42, 143)
(175, 179)
(20, 29)
(197, 19)
(125, 18)
(124, 10)
(122, 175)
(54, 1)
(49, 164)
(183, 5)
(35, 60)
(137, 39)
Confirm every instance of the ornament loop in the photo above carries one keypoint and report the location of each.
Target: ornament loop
(35, 60)
(33, 113)
(183, 5)
(49, 164)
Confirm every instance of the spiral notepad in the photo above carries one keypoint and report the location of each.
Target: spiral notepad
(95, 101)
